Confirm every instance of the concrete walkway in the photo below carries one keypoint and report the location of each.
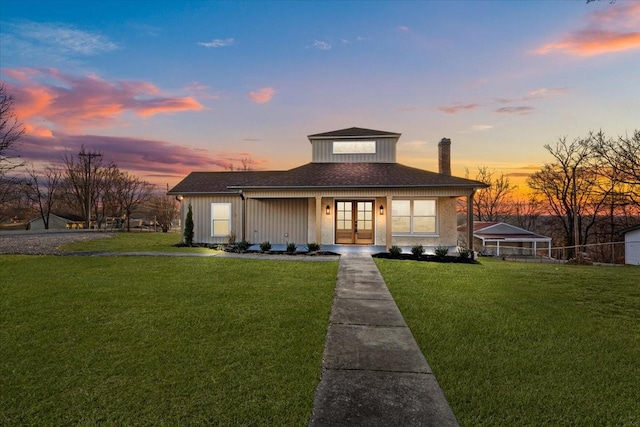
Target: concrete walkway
(373, 372)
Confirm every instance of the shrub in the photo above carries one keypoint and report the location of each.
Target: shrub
(291, 248)
(265, 246)
(313, 247)
(464, 253)
(243, 245)
(188, 227)
(395, 250)
(442, 251)
(417, 250)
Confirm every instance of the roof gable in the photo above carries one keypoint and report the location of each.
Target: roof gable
(354, 132)
(502, 229)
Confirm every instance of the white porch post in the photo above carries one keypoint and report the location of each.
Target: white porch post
(535, 248)
(388, 219)
(470, 220)
(319, 220)
(498, 250)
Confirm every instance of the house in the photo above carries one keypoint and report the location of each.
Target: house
(353, 192)
(57, 222)
(632, 245)
(499, 239)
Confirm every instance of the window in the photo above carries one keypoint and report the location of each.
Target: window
(413, 216)
(220, 219)
(354, 147)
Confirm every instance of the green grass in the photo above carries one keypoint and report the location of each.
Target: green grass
(134, 242)
(160, 341)
(516, 344)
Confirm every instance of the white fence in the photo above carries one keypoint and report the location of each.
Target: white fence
(610, 252)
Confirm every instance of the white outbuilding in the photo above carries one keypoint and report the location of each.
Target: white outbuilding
(632, 245)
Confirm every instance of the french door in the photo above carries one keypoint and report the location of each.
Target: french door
(354, 222)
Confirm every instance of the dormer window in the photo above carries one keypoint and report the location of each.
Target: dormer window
(354, 147)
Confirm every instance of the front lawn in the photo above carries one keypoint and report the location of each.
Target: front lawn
(516, 344)
(134, 242)
(160, 341)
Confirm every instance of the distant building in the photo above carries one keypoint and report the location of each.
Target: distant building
(352, 193)
(632, 245)
(500, 239)
(58, 222)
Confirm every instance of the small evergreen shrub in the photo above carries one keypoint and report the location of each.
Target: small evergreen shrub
(265, 246)
(313, 247)
(441, 251)
(188, 227)
(395, 250)
(464, 253)
(243, 245)
(291, 248)
(417, 250)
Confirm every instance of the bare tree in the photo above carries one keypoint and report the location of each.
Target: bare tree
(42, 189)
(493, 203)
(131, 192)
(82, 180)
(165, 209)
(622, 162)
(14, 204)
(246, 164)
(108, 204)
(11, 130)
(568, 186)
(526, 213)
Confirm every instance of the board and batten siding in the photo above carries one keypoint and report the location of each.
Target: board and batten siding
(322, 151)
(278, 221)
(201, 210)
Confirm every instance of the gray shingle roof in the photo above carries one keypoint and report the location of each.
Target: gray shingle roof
(500, 230)
(353, 133)
(321, 175)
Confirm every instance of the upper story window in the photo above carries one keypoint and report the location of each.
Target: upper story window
(354, 147)
(413, 217)
(220, 219)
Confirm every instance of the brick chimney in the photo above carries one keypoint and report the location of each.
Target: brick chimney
(444, 156)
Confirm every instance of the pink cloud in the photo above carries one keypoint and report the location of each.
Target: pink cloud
(515, 110)
(613, 29)
(454, 109)
(262, 96)
(153, 160)
(403, 28)
(69, 102)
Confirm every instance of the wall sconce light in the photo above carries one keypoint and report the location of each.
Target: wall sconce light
(381, 210)
(179, 198)
(327, 210)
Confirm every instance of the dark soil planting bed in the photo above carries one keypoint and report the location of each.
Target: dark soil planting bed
(427, 258)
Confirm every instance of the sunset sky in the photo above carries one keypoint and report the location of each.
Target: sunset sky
(163, 88)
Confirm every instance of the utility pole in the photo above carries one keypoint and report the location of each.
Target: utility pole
(576, 225)
(88, 156)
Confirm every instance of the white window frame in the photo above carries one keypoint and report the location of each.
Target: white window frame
(412, 216)
(214, 219)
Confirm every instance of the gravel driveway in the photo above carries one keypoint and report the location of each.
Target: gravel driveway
(43, 242)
